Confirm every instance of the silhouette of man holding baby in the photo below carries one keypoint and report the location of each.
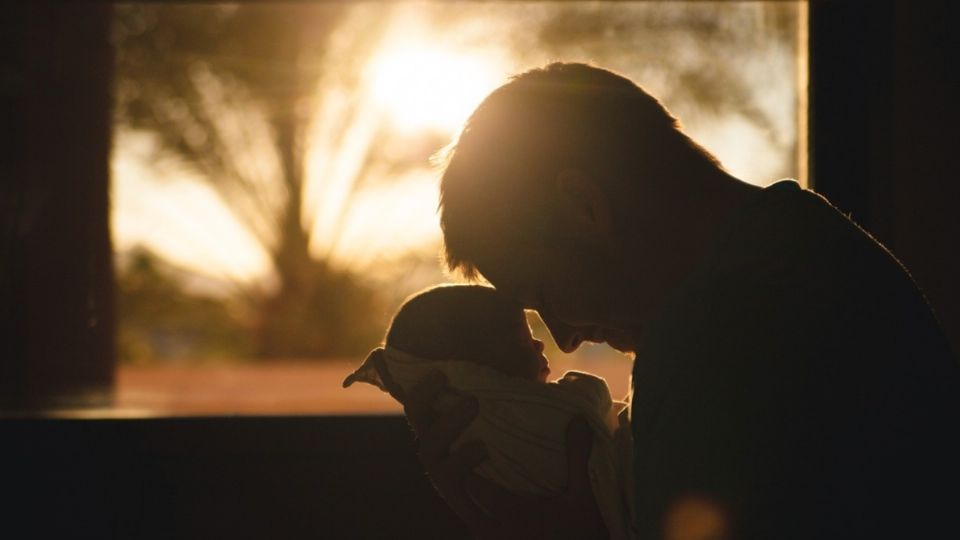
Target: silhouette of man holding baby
(790, 380)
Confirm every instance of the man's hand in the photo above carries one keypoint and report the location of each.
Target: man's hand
(489, 510)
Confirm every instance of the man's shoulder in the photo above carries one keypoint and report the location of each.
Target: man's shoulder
(793, 248)
(787, 223)
(796, 287)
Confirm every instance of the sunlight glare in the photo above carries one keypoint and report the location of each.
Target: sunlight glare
(427, 87)
(391, 219)
(180, 218)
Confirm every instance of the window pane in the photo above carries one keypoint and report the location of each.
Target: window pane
(273, 200)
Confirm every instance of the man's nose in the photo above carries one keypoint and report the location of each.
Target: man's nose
(568, 337)
(538, 346)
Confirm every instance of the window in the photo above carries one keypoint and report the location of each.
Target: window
(272, 197)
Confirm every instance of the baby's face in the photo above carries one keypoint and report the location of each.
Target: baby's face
(518, 353)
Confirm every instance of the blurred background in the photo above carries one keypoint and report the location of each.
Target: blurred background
(210, 209)
(272, 196)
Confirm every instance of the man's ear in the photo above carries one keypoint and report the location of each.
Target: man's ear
(584, 202)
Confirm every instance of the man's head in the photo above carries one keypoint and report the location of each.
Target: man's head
(470, 323)
(556, 179)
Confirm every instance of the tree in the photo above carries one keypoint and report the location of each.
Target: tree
(231, 93)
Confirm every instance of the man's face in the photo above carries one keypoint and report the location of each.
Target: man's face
(578, 293)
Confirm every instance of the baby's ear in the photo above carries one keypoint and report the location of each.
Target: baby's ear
(369, 371)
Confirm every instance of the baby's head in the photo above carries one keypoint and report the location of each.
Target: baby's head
(469, 323)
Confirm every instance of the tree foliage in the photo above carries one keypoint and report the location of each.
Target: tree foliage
(231, 93)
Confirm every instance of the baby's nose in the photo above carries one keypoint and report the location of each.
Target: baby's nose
(538, 345)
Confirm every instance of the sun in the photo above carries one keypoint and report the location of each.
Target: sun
(420, 87)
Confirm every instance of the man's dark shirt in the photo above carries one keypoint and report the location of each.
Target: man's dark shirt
(799, 382)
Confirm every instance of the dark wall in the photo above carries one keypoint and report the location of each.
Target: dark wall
(56, 282)
(927, 202)
(884, 119)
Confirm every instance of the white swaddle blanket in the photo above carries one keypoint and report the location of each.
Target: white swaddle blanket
(523, 426)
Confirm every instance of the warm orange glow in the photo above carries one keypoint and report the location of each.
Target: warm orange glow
(695, 518)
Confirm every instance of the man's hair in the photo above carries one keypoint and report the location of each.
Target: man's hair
(453, 322)
(543, 121)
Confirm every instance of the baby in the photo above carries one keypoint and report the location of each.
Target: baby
(481, 341)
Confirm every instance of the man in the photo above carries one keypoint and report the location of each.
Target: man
(790, 380)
